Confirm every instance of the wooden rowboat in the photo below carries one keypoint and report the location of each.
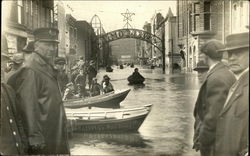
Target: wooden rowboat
(122, 120)
(109, 100)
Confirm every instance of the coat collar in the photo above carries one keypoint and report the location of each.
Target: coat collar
(37, 62)
(215, 68)
(238, 91)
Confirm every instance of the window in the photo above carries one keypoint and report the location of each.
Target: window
(196, 22)
(51, 16)
(206, 15)
(20, 11)
(196, 16)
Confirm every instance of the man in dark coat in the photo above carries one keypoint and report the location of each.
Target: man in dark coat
(39, 100)
(91, 72)
(12, 138)
(211, 97)
(232, 131)
(62, 77)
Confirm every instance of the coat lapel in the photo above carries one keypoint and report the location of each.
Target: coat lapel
(42, 66)
(238, 91)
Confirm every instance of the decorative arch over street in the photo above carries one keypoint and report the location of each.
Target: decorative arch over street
(133, 33)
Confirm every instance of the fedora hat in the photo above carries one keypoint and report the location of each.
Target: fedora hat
(46, 34)
(18, 58)
(60, 60)
(211, 49)
(69, 84)
(29, 48)
(106, 77)
(236, 41)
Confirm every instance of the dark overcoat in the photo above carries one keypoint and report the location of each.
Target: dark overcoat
(233, 124)
(12, 138)
(211, 97)
(40, 105)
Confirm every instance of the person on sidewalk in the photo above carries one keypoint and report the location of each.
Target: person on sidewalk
(38, 97)
(211, 97)
(232, 131)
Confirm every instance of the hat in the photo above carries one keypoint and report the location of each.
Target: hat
(29, 48)
(60, 60)
(46, 34)
(106, 77)
(69, 84)
(211, 49)
(18, 58)
(201, 66)
(236, 41)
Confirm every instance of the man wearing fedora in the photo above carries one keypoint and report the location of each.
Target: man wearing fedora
(39, 101)
(211, 97)
(233, 124)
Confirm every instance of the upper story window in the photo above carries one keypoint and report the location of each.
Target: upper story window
(207, 16)
(196, 16)
(20, 11)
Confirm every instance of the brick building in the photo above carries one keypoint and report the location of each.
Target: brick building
(24, 16)
(86, 41)
(202, 20)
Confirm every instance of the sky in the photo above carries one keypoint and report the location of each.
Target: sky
(109, 12)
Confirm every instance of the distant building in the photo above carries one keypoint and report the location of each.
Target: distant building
(87, 43)
(71, 40)
(159, 31)
(172, 57)
(123, 50)
(202, 20)
(143, 48)
(60, 24)
(24, 17)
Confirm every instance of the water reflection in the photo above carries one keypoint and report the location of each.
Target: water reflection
(128, 139)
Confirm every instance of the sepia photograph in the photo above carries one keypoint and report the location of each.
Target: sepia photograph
(125, 77)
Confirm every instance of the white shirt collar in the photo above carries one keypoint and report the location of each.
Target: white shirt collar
(211, 67)
(238, 76)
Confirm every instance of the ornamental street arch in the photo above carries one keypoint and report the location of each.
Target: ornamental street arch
(133, 33)
(137, 34)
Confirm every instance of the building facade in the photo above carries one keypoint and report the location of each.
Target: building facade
(60, 24)
(159, 31)
(23, 18)
(143, 48)
(123, 51)
(201, 20)
(87, 41)
(172, 57)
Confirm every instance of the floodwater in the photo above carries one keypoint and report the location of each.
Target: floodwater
(168, 129)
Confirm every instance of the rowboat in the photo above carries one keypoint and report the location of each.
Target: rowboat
(122, 120)
(108, 100)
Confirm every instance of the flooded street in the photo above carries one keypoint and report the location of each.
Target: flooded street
(167, 130)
